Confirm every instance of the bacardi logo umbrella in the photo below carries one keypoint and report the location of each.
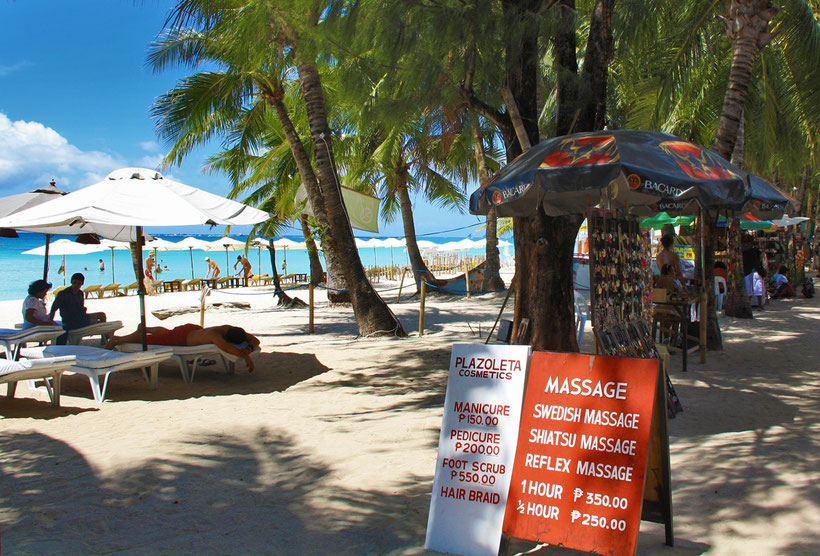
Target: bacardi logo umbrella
(640, 170)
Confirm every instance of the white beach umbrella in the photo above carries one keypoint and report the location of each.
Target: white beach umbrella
(190, 243)
(62, 247)
(228, 244)
(373, 242)
(392, 242)
(285, 244)
(137, 197)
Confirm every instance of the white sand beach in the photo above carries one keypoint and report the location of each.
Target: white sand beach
(329, 447)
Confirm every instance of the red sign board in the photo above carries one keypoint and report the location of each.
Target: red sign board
(582, 449)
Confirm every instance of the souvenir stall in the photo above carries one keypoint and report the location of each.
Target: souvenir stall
(620, 285)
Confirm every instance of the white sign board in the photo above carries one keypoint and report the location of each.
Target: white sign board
(476, 448)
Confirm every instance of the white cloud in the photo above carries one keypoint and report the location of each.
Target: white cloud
(149, 146)
(32, 153)
(151, 162)
(8, 70)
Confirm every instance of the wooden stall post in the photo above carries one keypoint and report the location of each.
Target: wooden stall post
(421, 307)
(467, 277)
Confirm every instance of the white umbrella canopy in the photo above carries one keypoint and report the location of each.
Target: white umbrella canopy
(373, 242)
(159, 243)
(22, 201)
(190, 243)
(285, 244)
(392, 242)
(137, 197)
(62, 247)
(226, 243)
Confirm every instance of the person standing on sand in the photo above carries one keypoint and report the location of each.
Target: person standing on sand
(149, 267)
(246, 267)
(213, 269)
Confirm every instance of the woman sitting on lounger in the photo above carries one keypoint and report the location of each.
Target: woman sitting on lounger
(230, 339)
(34, 306)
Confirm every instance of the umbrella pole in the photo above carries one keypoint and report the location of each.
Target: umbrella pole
(227, 262)
(45, 264)
(191, 251)
(141, 288)
(112, 266)
(64, 270)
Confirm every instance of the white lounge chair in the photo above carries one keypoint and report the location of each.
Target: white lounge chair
(103, 329)
(12, 340)
(96, 362)
(188, 357)
(49, 370)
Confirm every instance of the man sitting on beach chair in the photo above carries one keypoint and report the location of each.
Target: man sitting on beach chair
(71, 303)
(230, 339)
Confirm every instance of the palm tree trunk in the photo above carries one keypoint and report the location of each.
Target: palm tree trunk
(419, 268)
(284, 299)
(373, 315)
(492, 262)
(337, 286)
(748, 28)
(316, 272)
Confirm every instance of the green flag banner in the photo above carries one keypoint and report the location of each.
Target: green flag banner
(362, 209)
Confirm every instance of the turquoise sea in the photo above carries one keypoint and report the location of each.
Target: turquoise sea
(17, 271)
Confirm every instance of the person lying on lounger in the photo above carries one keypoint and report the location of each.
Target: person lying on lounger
(230, 339)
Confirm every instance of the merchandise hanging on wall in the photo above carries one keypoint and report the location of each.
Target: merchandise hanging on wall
(621, 285)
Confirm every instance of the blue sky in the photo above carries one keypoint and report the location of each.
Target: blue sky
(75, 100)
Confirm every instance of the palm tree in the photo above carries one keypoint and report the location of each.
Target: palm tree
(406, 157)
(263, 67)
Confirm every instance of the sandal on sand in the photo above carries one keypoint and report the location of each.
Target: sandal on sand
(202, 362)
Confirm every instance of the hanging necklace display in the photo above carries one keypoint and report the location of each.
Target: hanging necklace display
(620, 275)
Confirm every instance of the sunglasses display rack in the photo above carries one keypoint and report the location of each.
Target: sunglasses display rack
(620, 285)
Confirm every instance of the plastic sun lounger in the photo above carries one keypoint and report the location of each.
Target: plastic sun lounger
(104, 329)
(113, 288)
(96, 363)
(49, 370)
(12, 340)
(188, 357)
